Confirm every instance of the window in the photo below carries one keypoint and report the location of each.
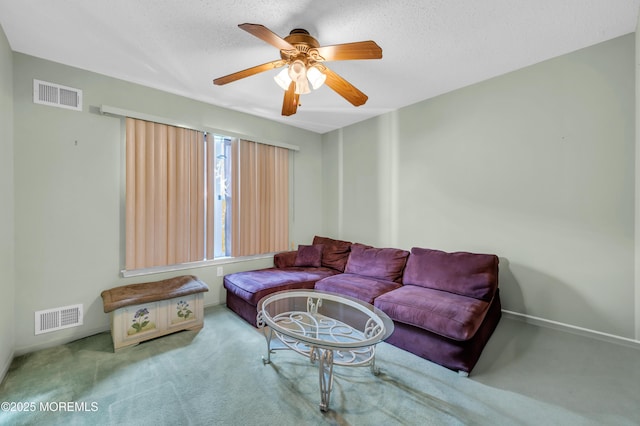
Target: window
(194, 196)
(221, 201)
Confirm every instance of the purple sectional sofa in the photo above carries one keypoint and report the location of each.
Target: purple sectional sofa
(444, 306)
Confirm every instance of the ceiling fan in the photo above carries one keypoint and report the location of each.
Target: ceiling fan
(304, 57)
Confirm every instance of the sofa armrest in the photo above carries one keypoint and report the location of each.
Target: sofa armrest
(285, 259)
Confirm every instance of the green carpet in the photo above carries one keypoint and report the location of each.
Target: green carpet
(216, 376)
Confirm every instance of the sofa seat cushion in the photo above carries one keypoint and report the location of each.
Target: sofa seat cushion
(447, 314)
(467, 274)
(383, 263)
(252, 286)
(358, 286)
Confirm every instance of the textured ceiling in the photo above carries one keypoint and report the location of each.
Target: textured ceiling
(429, 46)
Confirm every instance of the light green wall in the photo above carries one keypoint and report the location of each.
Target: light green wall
(637, 181)
(536, 166)
(7, 281)
(69, 192)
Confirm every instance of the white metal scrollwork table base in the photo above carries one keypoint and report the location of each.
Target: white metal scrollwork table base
(322, 338)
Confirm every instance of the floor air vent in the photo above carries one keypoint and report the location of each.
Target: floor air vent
(58, 318)
(57, 95)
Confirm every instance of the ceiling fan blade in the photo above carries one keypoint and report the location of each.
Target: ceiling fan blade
(344, 52)
(290, 102)
(265, 34)
(343, 88)
(249, 72)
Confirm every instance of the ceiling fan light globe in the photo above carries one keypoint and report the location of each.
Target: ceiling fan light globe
(302, 87)
(298, 73)
(283, 79)
(297, 69)
(316, 78)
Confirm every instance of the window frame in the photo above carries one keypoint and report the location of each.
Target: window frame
(122, 114)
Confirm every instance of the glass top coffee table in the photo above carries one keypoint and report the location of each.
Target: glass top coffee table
(326, 327)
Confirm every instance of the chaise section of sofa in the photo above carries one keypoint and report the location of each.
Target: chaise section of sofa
(299, 269)
(447, 308)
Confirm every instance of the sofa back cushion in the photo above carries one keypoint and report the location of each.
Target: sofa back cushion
(467, 274)
(383, 263)
(334, 252)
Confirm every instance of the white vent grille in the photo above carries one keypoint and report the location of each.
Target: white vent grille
(57, 95)
(58, 318)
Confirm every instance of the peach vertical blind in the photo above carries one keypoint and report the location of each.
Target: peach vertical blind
(260, 194)
(165, 195)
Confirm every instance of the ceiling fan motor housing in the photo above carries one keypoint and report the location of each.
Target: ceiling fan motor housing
(302, 41)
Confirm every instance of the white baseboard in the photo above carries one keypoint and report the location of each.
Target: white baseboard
(5, 367)
(611, 338)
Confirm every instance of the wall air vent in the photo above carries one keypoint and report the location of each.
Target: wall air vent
(58, 318)
(57, 95)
